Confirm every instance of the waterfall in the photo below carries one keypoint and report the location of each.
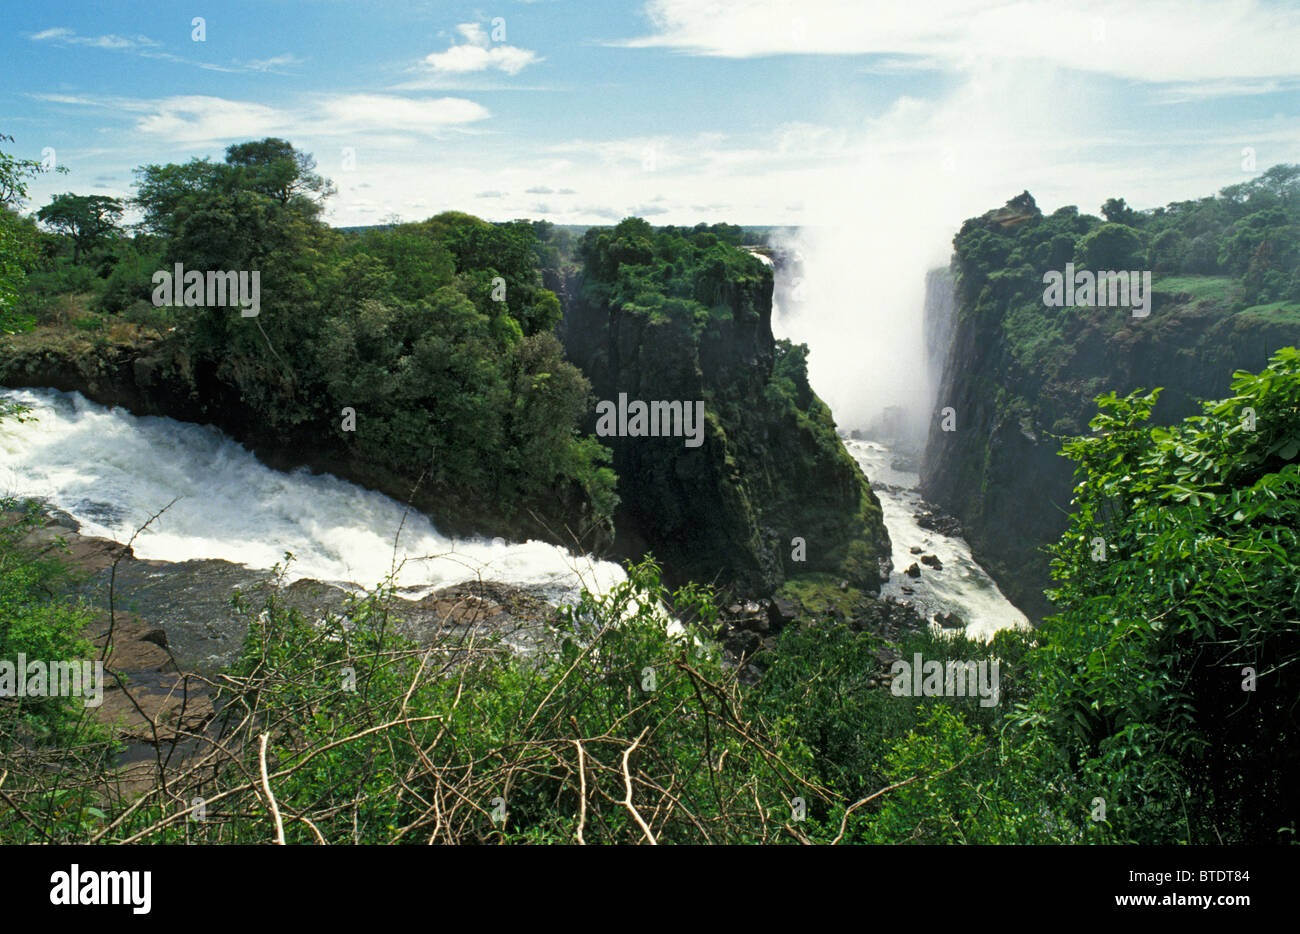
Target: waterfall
(111, 471)
(897, 421)
(939, 323)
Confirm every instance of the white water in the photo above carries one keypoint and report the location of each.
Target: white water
(112, 470)
(962, 586)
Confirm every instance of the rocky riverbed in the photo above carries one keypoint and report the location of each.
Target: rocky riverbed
(170, 627)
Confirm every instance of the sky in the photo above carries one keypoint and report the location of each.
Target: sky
(680, 111)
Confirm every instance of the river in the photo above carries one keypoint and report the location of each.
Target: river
(959, 586)
(111, 470)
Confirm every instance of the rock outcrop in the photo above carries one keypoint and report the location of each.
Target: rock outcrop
(728, 511)
(165, 630)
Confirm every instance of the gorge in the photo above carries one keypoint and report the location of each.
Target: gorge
(802, 485)
(110, 470)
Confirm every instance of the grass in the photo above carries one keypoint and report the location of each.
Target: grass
(820, 595)
(1217, 288)
(1275, 313)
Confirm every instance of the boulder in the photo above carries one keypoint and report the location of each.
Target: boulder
(782, 610)
(157, 710)
(950, 620)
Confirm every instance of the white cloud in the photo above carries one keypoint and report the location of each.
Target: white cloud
(66, 36)
(68, 99)
(195, 118)
(409, 114)
(148, 48)
(1148, 40)
(473, 33)
(478, 54)
(274, 63)
(375, 119)
(1202, 90)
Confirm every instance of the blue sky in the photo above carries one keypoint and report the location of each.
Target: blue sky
(749, 111)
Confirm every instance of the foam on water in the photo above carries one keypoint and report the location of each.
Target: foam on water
(112, 470)
(962, 586)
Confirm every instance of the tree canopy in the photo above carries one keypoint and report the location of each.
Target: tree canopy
(87, 219)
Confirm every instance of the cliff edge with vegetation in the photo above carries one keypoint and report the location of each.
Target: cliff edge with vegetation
(685, 315)
(1020, 375)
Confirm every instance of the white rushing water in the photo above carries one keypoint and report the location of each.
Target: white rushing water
(112, 470)
(961, 586)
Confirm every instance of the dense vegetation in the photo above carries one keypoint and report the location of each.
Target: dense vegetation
(438, 335)
(1022, 374)
(52, 748)
(49, 745)
(688, 276)
(1171, 664)
(1155, 704)
(1241, 247)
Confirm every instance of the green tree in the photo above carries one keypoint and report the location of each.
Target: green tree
(273, 167)
(1116, 211)
(1111, 246)
(160, 190)
(87, 219)
(1168, 251)
(1168, 677)
(18, 236)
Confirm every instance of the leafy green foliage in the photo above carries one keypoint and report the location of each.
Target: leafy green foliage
(18, 236)
(35, 623)
(1250, 232)
(44, 740)
(622, 730)
(1142, 671)
(1128, 717)
(87, 219)
(17, 256)
(689, 280)
(1111, 246)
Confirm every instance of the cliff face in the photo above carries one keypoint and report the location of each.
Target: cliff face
(1008, 486)
(1019, 375)
(770, 469)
